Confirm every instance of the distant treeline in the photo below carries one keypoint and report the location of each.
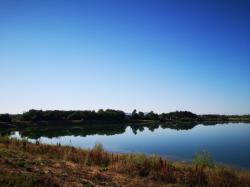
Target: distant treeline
(115, 115)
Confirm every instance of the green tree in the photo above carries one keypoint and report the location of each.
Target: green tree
(5, 118)
(134, 114)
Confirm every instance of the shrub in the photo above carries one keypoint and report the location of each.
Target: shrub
(203, 159)
(98, 147)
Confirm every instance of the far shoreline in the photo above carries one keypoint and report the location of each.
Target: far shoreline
(116, 117)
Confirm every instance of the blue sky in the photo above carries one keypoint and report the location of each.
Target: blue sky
(149, 55)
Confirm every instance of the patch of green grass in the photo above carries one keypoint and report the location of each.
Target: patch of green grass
(23, 164)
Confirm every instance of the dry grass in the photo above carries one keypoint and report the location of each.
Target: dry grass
(26, 164)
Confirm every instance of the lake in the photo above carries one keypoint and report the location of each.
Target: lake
(227, 143)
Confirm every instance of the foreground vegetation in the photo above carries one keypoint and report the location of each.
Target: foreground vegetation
(26, 164)
(110, 115)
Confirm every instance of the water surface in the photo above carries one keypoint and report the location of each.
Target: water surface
(227, 143)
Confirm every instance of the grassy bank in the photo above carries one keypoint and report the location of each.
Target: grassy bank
(26, 164)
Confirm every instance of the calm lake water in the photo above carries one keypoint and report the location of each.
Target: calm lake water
(227, 143)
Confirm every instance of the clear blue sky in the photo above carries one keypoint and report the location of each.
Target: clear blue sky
(149, 55)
